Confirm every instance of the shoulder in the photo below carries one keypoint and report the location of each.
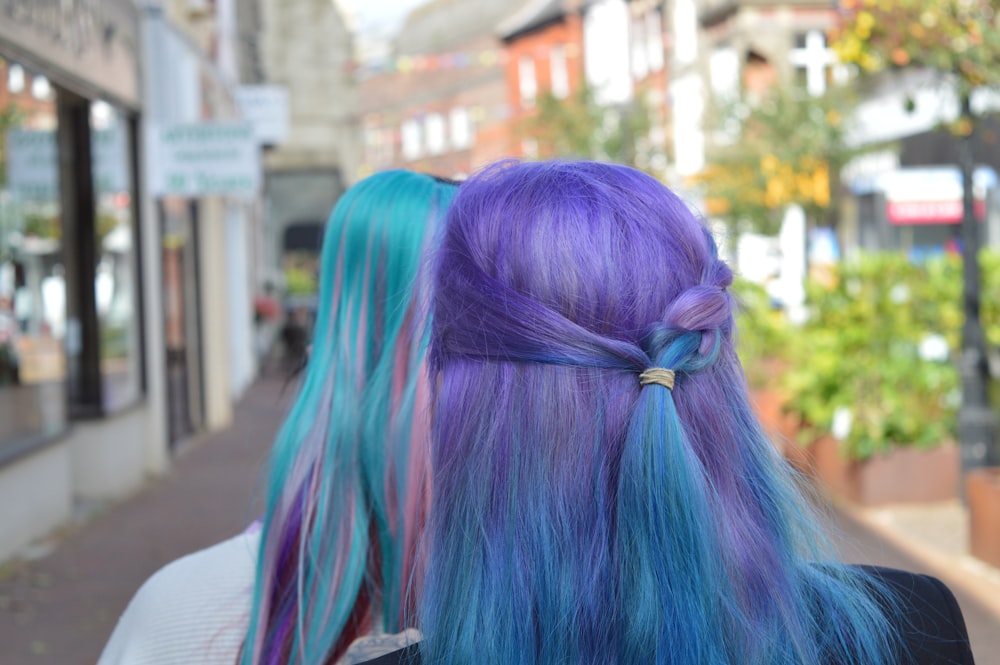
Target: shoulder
(407, 656)
(927, 615)
(198, 604)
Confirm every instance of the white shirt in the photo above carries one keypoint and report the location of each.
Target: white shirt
(195, 611)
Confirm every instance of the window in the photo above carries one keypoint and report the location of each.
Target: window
(115, 284)
(460, 126)
(724, 73)
(434, 133)
(639, 56)
(15, 79)
(685, 31)
(41, 88)
(412, 144)
(812, 60)
(654, 40)
(558, 72)
(33, 324)
(529, 148)
(527, 85)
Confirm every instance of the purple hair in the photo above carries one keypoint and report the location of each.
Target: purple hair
(579, 517)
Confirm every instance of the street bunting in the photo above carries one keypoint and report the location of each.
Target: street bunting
(205, 158)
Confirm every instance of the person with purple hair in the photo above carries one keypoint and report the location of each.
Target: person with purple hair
(331, 572)
(603, 492)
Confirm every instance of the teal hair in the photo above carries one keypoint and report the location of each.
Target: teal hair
(348, 474)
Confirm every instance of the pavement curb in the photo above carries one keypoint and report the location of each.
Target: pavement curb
(975, 578)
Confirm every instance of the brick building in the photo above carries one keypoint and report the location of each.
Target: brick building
(721, 50)
(438, 103)
(544, 46)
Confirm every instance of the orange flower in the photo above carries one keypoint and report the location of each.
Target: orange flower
(900, 57)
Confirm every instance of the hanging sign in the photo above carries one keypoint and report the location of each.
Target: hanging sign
(266, 106)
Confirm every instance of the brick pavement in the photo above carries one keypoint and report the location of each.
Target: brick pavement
(61, 608)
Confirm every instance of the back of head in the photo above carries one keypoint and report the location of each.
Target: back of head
(348, 472)
(580, 516)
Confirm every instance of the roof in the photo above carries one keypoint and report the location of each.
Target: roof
(441, 25)
(534, 14)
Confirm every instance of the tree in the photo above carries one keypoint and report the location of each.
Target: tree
(580, 126)
(785, 149)
(10, 116)
(959, 39)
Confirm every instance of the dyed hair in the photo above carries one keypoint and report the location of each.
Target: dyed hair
(578, 517)
(348, 486)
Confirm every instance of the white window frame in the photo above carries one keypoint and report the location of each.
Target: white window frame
(411, 138)
(527, 82)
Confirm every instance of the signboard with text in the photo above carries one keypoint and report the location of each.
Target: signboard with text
(932, 194)
(266, 106)
(205, 158)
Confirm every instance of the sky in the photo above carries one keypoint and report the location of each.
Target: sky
(378, 18)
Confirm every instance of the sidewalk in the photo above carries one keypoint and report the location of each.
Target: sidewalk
(59, 608)
(930, 539)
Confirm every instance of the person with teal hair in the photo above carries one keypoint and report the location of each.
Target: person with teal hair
(331, 572)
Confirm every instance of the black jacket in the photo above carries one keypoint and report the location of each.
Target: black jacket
(932, 629)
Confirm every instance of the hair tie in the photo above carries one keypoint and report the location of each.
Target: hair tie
(659, 376)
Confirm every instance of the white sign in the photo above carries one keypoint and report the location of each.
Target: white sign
(266, 106)
(205, 158)
(932, 194)
(33, 166)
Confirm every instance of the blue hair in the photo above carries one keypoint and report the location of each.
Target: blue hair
(579, 517)
(348, 485)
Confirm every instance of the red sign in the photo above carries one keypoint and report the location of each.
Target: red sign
(931, 212)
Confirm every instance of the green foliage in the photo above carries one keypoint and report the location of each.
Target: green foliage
(763, 332)
(786, 148)
(300, 281)
(10, 116)
(42, 226)
(580, 127)
(960, 38)
(860, 351)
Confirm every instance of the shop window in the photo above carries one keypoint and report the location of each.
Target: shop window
(33, 324)
(115, 283)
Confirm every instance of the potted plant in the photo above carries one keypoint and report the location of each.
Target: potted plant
(982, 486)
(871, 385)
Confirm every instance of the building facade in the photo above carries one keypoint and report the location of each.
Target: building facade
(125, 312)
(74, 370)
(438, 102)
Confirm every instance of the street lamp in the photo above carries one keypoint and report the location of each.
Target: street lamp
(977, 424)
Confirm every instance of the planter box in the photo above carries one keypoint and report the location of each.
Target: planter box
(781, 428)
(982, 487)
(904, 475)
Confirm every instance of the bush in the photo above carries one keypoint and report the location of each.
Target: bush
(763, 332)
(872, 363)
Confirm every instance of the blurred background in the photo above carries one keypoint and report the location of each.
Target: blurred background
(167, 168)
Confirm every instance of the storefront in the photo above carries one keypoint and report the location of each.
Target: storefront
(71, 324)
